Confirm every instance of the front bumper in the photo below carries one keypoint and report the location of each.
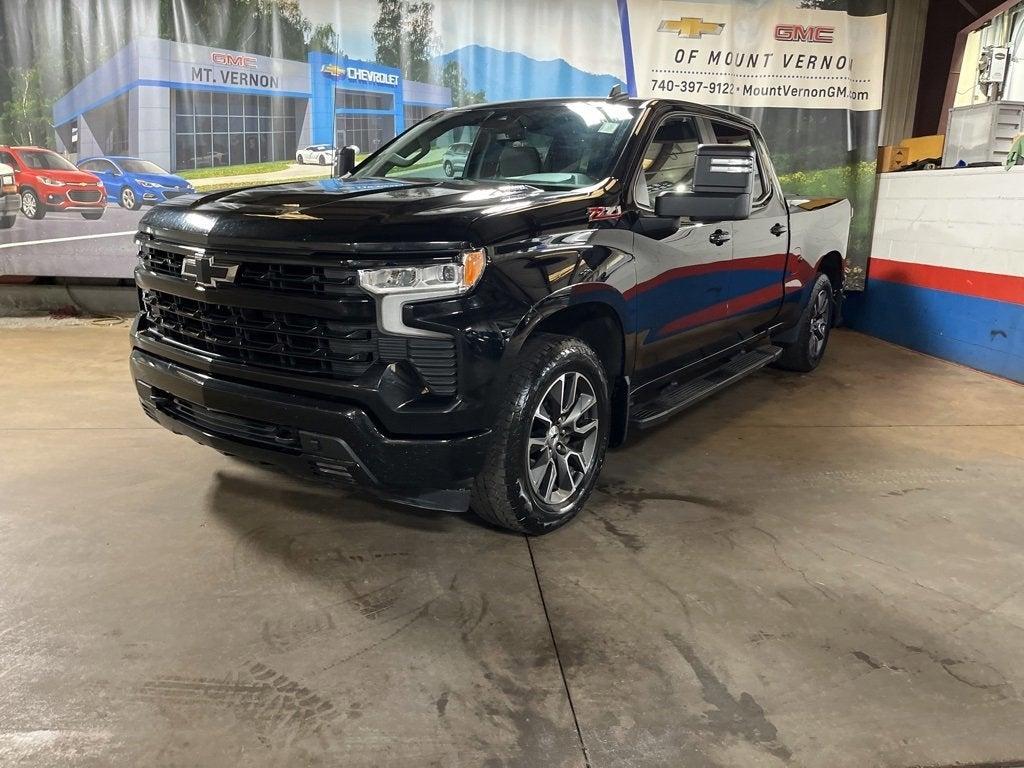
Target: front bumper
(156, 195)
(313, 438)
(61, 200)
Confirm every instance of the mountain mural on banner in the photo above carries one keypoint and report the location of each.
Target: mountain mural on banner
(505, 75)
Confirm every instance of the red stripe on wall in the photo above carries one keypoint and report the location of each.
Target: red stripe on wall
(983, 285)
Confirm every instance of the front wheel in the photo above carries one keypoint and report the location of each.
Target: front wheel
(31, 205)
(299, 160)
(549, 442)
(92, 215)
(813, 330)
(129, 200)
(6, 222)
(448, 168)
(323, 160)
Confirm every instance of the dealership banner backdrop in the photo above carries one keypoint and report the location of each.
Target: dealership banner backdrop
(156, 98)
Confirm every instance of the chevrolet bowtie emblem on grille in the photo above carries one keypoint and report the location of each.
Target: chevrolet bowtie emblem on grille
(206, 272)
(691, 27)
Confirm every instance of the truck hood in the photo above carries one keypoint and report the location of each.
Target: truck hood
(337, 211)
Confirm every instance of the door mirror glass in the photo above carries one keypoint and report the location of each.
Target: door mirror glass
(723, 182)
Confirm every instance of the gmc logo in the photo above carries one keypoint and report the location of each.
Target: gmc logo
(797, 33)
(231, 60)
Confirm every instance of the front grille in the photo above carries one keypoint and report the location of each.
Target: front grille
(227, 425)
(337, 349)
(281, 340)
(84, 195)
(313, 280)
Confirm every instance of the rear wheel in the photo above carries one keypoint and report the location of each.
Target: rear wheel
(31, 205)
(323, 160)
(448, 168)
(813, 330)
(549, 444)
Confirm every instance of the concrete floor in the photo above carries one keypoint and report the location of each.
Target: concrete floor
(822, 570)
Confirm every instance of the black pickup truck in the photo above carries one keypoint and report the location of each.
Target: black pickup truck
(478, 334)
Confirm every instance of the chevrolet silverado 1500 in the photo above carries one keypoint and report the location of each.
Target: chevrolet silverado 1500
(477, 334)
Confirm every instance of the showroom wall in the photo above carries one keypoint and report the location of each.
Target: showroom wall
(946, 275)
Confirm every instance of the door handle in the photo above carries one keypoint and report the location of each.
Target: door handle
(778, 230)
(720, 237)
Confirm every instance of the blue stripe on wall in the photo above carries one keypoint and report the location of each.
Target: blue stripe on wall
(979, 333)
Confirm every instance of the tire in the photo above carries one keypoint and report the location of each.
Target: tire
(92, 215)
(31, 205)
(504, 492)
(813, 330)
(129, 200)
(299, 160)
(6, 222)
(448, 168)
(323, 160)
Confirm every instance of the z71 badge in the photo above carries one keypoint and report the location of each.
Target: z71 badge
(604, 213)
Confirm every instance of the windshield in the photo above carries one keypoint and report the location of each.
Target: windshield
(140, 166)
(558, 146)
(43, 160)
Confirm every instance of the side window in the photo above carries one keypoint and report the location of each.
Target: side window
(669, 160)
(8, 159)
(734, 134)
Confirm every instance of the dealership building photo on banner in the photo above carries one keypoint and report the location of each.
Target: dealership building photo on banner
(186, 106)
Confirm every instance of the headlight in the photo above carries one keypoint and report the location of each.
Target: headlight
(435, 279)
(51, 182)
(396, 286)
(7, 181)
(149, 184)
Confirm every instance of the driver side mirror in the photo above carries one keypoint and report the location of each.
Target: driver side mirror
(723, 182)
(345, 160)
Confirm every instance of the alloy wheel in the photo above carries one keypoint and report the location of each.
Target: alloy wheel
(562, 443)
(821, 317)
(29, 204)
(127, 198)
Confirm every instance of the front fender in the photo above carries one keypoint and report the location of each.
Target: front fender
(569, 271)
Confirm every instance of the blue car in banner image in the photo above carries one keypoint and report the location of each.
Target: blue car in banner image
(134, 182)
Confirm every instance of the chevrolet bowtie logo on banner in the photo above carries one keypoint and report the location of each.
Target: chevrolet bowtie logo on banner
(691, 27)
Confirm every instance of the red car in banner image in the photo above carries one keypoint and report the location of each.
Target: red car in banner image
(48, 182)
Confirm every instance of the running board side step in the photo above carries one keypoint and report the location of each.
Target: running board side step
(675, 399)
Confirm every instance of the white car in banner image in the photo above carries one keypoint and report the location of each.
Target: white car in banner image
(315, 154)
(10, 200)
